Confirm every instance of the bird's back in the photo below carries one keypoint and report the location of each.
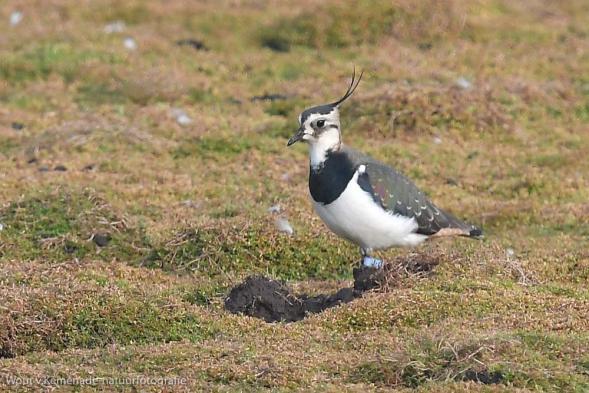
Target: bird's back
(399, 195)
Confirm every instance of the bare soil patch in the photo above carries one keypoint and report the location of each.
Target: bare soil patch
(274, 301)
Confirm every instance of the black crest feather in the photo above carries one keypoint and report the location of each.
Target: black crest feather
(327, 108)
(351, 88)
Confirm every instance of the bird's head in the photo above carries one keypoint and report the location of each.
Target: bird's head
(320, 124)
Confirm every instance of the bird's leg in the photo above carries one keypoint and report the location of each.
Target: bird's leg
(368, 261)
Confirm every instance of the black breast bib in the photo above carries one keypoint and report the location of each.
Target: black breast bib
(328, 181)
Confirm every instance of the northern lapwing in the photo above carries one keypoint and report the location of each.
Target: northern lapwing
(363, 200)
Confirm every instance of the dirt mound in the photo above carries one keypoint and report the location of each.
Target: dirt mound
(273, 301)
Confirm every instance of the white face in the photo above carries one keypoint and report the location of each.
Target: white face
(320, 128)
(322, 134)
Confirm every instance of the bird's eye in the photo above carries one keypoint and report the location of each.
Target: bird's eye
(320, 123)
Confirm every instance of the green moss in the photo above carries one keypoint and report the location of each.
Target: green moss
(180, 252)
(202, 96)
(203, 296)
(430, 360)
(228, 210)
(31, 102)
(59, 225)
(97, 319)
(215, 252)
(553, 161)
(434, 110)
(513, 145)
(43, 60)
(212, 147)
(343, 25)
(7, 145)
(542, 341)
(583, 366)
(559, 290)
(281, 108)
(278, 130)
(290, 71)
(132, 12)
(94, 93)
(102, 322)
(363, 22)
(582, 112)
(427, 361)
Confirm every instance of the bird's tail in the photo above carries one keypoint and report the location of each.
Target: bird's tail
(457, 227)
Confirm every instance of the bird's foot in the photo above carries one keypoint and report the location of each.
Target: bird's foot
(371, 262)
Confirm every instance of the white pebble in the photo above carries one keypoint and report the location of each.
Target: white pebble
(190, 203)
(283, 225)
(463, 83)
(130, 43)
(510, 252)
(15, 18)
(184, 120)
(1, 227)
(181, 117)
(117, 26)
(437, 140)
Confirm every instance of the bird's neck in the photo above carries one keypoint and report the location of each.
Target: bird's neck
(318, 151)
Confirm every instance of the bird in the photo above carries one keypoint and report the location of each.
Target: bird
(363, 200)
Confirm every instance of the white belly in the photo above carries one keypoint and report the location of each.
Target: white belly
(356, 217)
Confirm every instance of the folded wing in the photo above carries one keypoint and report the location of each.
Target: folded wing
(398, 195)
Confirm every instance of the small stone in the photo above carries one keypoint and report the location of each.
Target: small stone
(184, 120)
(274, 209)
(437, 140)
(510, 252)
(130, 43)
(1, 227)
(181, 117)
(472, 155)
(190, 203)
(101, 239)
(60, 168)
(451, 181)
(117, 26)
(463, 83)
(276, 44)
(70, 247)
(284, 226)
(269, 97)
(16, 18)
(425, 46)
(17, 125)
(195, 44)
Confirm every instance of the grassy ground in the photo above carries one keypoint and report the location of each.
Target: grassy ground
(90, 148)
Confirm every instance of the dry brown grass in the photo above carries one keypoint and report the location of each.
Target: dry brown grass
(508, 152)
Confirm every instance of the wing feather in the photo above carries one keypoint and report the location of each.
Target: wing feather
(398, 195)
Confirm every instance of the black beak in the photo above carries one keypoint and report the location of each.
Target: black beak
(296, 137)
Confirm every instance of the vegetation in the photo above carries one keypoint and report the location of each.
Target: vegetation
(136, 184)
